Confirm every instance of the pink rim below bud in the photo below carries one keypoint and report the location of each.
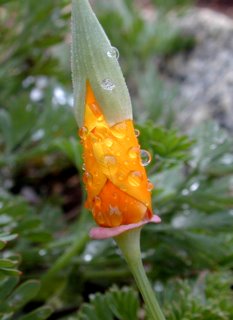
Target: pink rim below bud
(99, 233)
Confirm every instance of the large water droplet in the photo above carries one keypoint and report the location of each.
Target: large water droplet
(83, 132)
(107, 84)
(135, 178)
(145, 157)
(133, 152)
(113, 53)
(119, 130)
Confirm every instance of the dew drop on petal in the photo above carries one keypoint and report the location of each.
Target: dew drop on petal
(119, 130)
(110, 160)
(108, 142)
(137, 132)
(150, 185)
(114, 211)
(113, 53)
(88, 179)
(99, 217)
(121, 177)
(83, 132)
(135, 178)
(145, 157)
(133, 152)
(97, 201)
(83, 167)
(114, 195)
(108, 85)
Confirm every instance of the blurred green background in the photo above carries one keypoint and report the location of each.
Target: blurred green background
(49, 268)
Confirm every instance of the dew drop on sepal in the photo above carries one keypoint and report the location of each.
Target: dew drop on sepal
(113, 53)
(108, 84)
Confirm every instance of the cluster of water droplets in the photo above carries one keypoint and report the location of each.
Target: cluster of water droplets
(108, 84)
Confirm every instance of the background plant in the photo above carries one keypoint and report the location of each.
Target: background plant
(49, 268)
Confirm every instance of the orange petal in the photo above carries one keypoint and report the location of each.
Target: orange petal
(113, 167)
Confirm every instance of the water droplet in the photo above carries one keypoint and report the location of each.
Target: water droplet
(158, 286)
(38, 135)
(87, 257)
(137, 132)
(114, 211)
(42, 252)
(133, 152)
(227, 159)
(99, 217)
(135, 178)
(88, 179)
(97, 201)
(107, 84)
(194, 186)
(185, 192)
(36, 94)
(83, 132)
(213, 146)
(119, 130)
(150, 185)
(113, 53)
(121, 177)
(83, 167)
(108, 142)
(145, 157)
(110, 160)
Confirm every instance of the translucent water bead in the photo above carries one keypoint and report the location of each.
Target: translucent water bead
(113, 53)
(108, 85)
(145, 157)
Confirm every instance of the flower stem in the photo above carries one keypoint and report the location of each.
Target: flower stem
(129, 243)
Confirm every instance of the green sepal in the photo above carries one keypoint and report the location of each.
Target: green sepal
(91, 62)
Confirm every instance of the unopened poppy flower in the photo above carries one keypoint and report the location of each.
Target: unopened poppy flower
(118, 190)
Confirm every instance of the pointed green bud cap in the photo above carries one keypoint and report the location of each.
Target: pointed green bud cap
(95, 60)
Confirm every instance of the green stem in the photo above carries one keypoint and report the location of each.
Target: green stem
(129, 243)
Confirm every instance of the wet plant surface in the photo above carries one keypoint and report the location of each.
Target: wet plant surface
(49, 267)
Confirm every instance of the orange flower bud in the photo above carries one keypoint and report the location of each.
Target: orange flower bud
(118, 191)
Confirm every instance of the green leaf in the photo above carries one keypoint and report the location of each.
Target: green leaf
(24, 293)
(38, 314)
(124, 303)
(6, 263)
(6, 128)
(120, 303)
(7, 285)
